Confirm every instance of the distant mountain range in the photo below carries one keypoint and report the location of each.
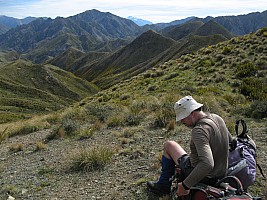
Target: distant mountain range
(7, 23)
(105, 49)
(241, 24)
(138, 21)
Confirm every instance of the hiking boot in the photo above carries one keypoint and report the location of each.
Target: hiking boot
(157, 188)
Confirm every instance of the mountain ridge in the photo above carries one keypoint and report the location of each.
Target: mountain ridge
(92, 30)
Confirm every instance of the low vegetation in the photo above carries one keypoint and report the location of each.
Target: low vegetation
(91, 159)
(27, 90)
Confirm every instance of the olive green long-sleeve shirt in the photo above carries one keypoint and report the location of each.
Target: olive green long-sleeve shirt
(209, 149)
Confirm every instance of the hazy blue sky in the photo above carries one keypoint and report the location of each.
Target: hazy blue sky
(152, 10)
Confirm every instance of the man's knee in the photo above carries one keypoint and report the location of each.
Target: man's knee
(170, 144)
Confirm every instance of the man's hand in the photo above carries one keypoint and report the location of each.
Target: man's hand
(181, 191)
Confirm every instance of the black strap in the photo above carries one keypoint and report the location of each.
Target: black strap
(261, 170)
(243, 134)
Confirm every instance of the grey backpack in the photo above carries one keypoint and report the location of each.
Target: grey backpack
(242, 157)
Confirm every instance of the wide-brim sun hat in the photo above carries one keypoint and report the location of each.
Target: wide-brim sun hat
(185, 106)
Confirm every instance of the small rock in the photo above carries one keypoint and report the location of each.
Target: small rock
(10, 198)
(23, 191)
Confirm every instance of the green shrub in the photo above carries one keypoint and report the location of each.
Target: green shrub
(152, 88)
(115, 120)
(70, 126)
(133, 119)
(226, 50)
(247, 69)
(258, 109)
(171, 76)
(253, 88)
(234, 99)
(208, 89)
(10, 189)
(162, 118)
(86, 133)
(99, 111)
(124, 97)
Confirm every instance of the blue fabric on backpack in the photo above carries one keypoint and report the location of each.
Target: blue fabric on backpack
(242, 163)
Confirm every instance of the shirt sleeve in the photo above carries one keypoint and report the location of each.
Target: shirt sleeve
(201, 156)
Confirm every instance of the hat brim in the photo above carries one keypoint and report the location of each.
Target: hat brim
(182, 112)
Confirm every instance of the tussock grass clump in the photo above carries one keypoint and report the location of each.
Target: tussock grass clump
(40, 146)
(3, 135)
(115, 121)
(26, 126)
(98, 111)
(171, 125)
(86, 132)
(16, 147)
(162, 118)
(53, 118)
(70, 127)
(124, 140)
(74, 114)
(246, 69)
(97, 125)
(26, 129)
(57, 132)
(95, 158)
(133, 119)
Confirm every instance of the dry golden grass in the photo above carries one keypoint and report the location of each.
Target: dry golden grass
(3, 135)
(16, 147)
(40, 146)
(91, 159)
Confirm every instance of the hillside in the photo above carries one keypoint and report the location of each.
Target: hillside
(28, 89)
(180, 31)
(67, 58)
(150, 49)
(3, 29)
(182, 47)
(115, 68)
(108, 145)
(213, 28)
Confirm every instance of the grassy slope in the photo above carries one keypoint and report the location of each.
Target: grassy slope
(210, 70)
(28, 89)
